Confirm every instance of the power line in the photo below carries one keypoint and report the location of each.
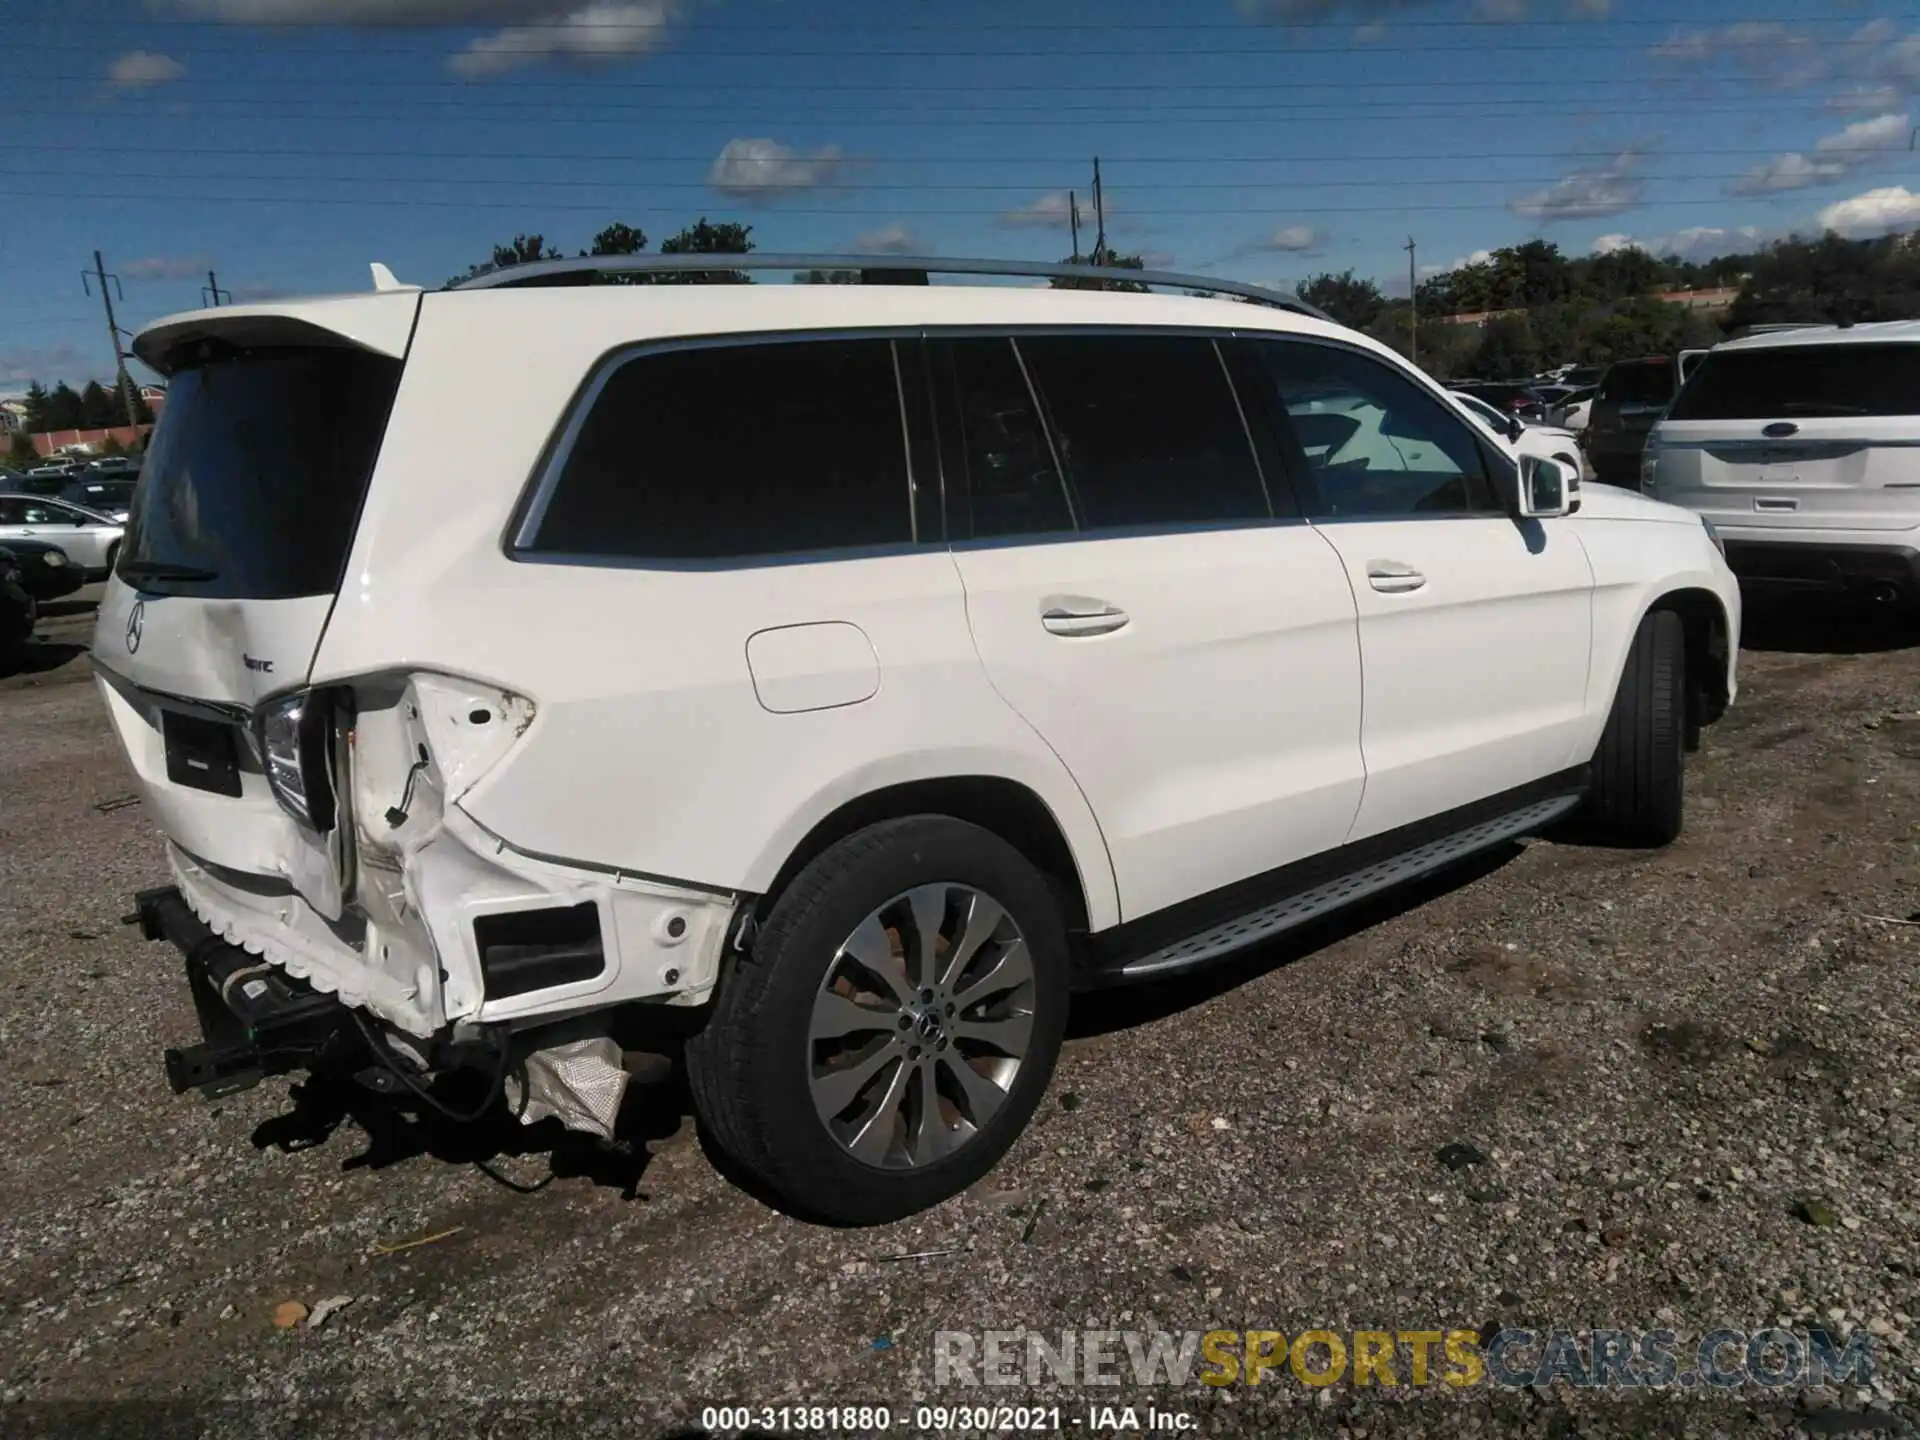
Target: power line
(773, 188)
(863, 214)
(1611, 152)
(1476, 45)
(470, 89)
(1239, 26)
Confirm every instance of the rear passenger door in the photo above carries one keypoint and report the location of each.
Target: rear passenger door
(1139, 595)
(1474, 626)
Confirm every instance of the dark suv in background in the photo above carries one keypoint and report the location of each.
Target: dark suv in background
(1633, 394)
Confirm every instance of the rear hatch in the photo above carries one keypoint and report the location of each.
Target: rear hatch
(236, 545)
(1633, 395)
(1798, 437)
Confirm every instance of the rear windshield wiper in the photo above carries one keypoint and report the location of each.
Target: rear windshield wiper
(161, 570)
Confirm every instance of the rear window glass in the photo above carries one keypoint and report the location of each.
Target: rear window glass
(1639, 382)
(253, 485)
(737, 450)
(1803, 380)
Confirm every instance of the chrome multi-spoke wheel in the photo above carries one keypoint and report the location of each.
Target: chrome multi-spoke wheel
(920, 1025)
(892, 1026)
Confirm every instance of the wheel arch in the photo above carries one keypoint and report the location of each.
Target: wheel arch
(1709, 632)
(1005, 807)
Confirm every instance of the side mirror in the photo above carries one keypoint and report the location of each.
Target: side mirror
(1546, 490)
(1515, 429)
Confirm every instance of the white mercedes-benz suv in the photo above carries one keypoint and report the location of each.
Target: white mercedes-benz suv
(854, 673)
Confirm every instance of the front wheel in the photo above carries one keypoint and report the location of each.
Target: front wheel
(1639, 770)
(894, 1026)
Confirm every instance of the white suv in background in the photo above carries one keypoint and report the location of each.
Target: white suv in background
(1802, 448)
(863, 670)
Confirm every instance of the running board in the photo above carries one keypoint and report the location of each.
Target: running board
(1330, 895)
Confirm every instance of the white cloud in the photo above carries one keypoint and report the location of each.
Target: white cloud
(1834, 158)
(1478, 257)
(1608, 190)
(1876, 212)
(894, 239)
(175, 267)
(749, 169)
(43, 362)
(596, 33)
(581, 31)
(1874, 67)
(138, 69)
(1045, 213)
(1697, 242)
(1293, 240)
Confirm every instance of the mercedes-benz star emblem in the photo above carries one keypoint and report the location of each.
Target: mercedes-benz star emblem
(136, 619)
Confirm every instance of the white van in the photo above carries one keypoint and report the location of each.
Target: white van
(1802, 447)
(857, 671)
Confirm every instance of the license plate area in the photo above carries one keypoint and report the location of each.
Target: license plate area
(202, 754)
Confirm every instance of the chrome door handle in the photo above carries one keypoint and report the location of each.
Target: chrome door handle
(1391, 578)
(1073, 615)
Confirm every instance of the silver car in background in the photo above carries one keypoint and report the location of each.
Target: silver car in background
(91, 540)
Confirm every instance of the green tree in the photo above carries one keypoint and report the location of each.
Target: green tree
(20, 454)
(1346, 297)
(112, 446)
(517, 251)
(100, 408)
(1507, 348)
(704, 237)
(827, 277)
(39, 408)
(1103, 255)
(64, 410)
(618, 239)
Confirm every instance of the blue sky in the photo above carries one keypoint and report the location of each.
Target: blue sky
(286, 143)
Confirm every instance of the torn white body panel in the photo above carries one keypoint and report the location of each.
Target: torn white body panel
(382, 913)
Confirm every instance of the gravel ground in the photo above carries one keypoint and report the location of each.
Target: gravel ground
(1684, 1077)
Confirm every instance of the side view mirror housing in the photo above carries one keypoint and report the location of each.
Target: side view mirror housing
(1546, 490)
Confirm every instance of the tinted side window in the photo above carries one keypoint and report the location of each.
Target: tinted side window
(1375, 442)
(1147, 429)
(740, 450)
(1012, 482)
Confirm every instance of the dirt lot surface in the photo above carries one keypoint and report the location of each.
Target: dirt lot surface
(1685, 1081)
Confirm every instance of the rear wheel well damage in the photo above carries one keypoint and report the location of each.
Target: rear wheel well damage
(1704, 622)
(1004, 807)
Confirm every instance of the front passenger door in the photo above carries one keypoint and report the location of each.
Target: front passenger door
(1475, 627)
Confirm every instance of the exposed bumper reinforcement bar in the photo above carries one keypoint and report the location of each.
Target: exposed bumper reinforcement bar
(255, 1019)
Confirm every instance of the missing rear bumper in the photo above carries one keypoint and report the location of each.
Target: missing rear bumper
(255, 1019)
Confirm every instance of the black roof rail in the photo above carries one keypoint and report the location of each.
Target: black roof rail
(873, 270)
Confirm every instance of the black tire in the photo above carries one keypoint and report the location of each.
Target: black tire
(1639, 771)
(748, 1068)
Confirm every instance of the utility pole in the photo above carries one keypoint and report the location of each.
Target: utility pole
(1413, 299)
(211, 291)
(1073, 222)
(122, 379)
(1099, 217)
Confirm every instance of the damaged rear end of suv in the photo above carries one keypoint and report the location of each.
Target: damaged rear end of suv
(336, 907)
